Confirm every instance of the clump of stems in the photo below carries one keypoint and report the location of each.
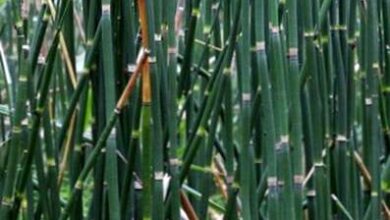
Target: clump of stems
(195, 109)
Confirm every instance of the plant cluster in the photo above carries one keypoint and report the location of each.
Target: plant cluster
(195, 109)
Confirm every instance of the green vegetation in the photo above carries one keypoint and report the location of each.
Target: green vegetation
(195, 109)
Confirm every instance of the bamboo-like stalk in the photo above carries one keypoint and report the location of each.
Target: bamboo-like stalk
(111, 168)
(278, 76)
(193, 15)
(245, 112)
(321, 200)
(172, 50)
(295, 109)
(266, 106)
(372, 123)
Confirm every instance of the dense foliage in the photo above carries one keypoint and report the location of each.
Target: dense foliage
(195, 109)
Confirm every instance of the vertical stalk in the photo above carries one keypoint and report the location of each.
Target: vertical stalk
(278, 79)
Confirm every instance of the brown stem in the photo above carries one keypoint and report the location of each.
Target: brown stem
(187, 206)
